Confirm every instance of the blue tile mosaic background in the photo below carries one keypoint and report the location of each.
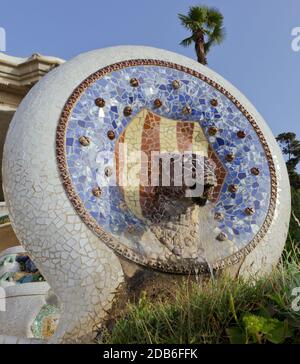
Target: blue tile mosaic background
(86, 164)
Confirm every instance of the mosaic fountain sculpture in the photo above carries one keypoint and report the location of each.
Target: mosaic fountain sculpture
(85, 195)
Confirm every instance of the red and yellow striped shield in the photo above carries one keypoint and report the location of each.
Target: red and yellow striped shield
(149, 138)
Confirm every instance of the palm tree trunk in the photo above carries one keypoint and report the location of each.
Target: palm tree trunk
(199, 47)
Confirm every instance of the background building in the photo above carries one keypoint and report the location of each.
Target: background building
(17, 76)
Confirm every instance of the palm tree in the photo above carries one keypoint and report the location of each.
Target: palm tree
(206, 26)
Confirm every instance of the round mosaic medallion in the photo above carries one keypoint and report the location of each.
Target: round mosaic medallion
(125, 125)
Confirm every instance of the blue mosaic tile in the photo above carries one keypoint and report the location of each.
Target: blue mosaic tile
(86, 168)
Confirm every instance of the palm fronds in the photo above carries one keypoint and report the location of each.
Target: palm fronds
(208, 22)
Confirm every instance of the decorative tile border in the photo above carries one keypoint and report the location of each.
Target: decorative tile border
(183, 268)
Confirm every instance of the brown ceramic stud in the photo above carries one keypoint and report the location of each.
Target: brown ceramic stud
(123, 206)
(229, 157)
(108, 171)
(100, 102)
(157, 103)
(219, 216)
(249, 211)
(254, 171)
(222, 237)
(212, 130)
(85, 141)
(127, 110)
(187, 110)
(130, 229)
(96, 191)
(111, 135)
(134, 82)
(176, 84)
(214, 102)
(241, 134)
(232, 188)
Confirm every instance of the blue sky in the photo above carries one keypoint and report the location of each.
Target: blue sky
(256, 55)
